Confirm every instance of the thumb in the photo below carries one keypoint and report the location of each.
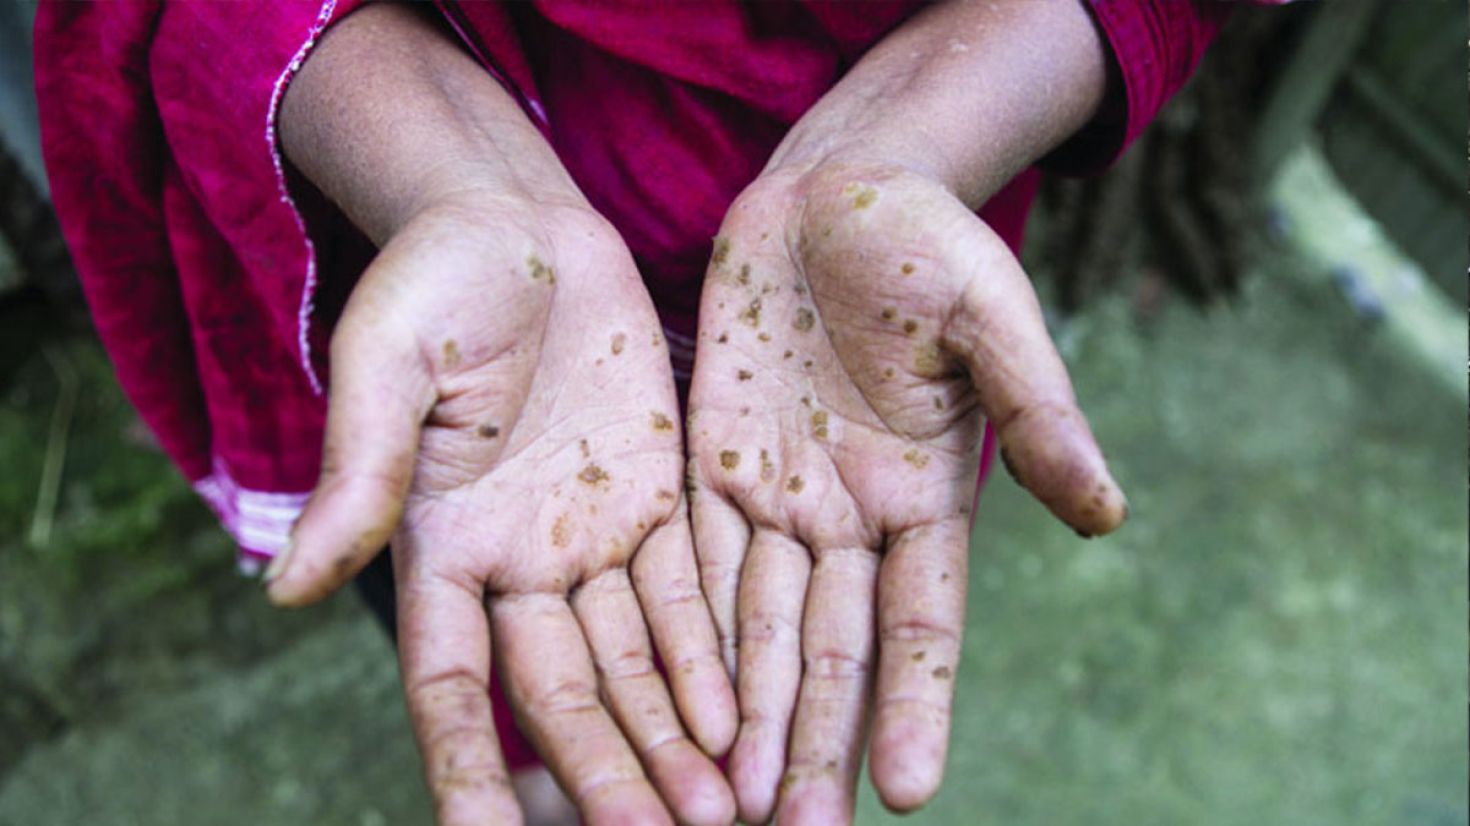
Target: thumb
(1046, 444)
(380, 394)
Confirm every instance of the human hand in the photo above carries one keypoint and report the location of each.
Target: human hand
(858, 325)
(502, 407)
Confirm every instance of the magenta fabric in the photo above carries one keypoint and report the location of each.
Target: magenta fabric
(157, 131)
(1154, 54)
(214, 273)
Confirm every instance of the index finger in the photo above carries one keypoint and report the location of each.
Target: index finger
(444, 653)
(667, 584)
(921, 619)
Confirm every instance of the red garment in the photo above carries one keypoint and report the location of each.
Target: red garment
(214, 272)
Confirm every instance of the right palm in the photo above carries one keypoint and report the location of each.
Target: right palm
(506, 389)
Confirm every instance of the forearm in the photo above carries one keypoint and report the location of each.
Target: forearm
(389, 117)
(968, 93)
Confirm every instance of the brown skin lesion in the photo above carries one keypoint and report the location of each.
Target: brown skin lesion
(751, 315)
(662, 422)
(618, 342)
(721, 251)
(863, 195)
(592, 474)
(450, 352)
(928, 362)
(540, 271)
(561, 531)
(370, 539)
(804, 321)
(729, 459)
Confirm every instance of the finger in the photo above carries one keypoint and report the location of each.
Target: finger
(613, 624)
(721, 535)
(550, 681)
(444, 653)
(667, 584)
(921, 618)
(999, 332)
(772, 591)
(380, 394)
(831, 711)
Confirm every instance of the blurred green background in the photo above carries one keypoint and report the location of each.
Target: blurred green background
(1279, 635)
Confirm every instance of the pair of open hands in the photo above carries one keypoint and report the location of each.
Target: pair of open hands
(502, 409)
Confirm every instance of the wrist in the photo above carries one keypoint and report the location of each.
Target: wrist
(811, 147)
(965, 94)
(818, 163)
(553, 239)
(487, 200)
(389, 119)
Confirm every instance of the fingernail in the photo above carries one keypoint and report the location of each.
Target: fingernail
(278, 564)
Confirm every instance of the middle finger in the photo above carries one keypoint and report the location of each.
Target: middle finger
(837, 649)
(549, 677)
(613, 624)
(772, 589)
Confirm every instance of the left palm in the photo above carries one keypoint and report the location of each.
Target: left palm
(854, 324)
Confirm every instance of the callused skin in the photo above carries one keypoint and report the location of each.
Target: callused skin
(537, 465)
(501, 405)
(503, 408)
(858, 325)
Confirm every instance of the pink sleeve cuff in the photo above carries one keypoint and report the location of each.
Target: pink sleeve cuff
(1154, 47)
